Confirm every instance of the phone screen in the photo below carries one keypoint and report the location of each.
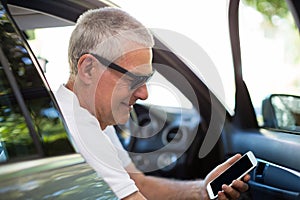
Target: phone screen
(234, 172)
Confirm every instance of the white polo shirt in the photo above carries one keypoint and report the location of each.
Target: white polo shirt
(102, 150)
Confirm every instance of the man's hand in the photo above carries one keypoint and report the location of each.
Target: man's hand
(238, 186)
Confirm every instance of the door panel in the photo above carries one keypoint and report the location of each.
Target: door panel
(277, 174)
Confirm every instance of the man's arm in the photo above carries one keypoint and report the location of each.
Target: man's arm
(162, 188)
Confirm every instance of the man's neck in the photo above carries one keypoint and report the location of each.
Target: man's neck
(102, 125)
(70, 85)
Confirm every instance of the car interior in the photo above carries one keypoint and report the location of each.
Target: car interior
(187, 140)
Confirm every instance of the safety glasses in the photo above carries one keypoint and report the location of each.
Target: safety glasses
(137, 80)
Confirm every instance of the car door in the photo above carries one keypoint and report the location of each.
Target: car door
(37, 160)
(257, 48)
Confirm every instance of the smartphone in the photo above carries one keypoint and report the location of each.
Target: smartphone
(236, 171)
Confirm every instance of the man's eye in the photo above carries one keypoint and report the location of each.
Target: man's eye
(128, 80)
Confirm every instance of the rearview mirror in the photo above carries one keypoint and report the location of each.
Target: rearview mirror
(282, 111)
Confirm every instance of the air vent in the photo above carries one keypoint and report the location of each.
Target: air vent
(144, 121)
(174, 135)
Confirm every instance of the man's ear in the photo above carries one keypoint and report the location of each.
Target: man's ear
(85, 68)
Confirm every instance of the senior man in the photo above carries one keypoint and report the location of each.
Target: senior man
(110, 55)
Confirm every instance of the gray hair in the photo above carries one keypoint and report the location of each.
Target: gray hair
(106, 31)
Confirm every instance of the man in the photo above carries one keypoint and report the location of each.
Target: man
(110, 61)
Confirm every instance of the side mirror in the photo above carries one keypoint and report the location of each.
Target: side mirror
(282, 112)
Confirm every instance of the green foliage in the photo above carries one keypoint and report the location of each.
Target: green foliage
(15, 135)
(13, 129)
(276, 13)
(30, 34)
(269, 8)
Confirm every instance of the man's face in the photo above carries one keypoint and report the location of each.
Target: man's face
(114, 97)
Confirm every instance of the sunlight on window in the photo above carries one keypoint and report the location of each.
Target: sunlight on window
(270, 55)
(163, 93)
(204, 22)
(52, 44)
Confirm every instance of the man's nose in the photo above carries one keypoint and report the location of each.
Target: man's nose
(141, 92)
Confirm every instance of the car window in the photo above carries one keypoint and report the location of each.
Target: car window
(163, 93)
(52, 54)
(270, 48)
(29, 122)
(197, 31)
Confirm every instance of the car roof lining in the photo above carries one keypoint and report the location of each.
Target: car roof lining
(32, 19)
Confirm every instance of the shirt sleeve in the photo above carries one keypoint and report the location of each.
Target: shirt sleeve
(123, 155)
